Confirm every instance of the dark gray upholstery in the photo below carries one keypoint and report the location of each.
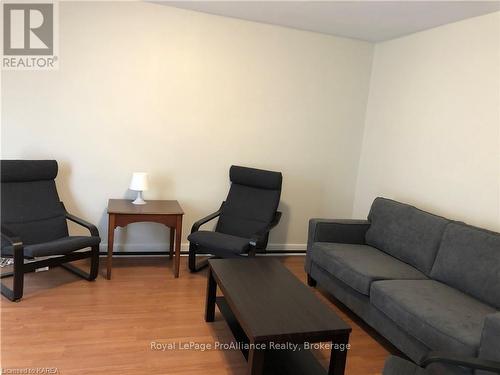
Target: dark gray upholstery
(247, 210)
(257, 178)
(399, 366)
(252, 201)
(223, 244)
(31, 208)
(490, 340)
(361, 306)
(459, 315)
(405, 232)
(434, 313)
(469, 260)
(57, 247)
(338, 231)
(28, 170)
(360, 265)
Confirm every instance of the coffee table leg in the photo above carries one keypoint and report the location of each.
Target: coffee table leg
(338, 357)
(211, 295)
(255, 361)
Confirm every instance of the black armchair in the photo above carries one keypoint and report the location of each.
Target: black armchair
(34, 224)
(244, 219)
(440, 363)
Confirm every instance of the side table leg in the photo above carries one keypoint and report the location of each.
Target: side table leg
(338, 357)
(171, 244)
(255, 361)
(178, 234)
(111, 237)
(210, 297)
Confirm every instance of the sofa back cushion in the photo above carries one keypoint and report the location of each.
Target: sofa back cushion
(405, 232)
(469, 260)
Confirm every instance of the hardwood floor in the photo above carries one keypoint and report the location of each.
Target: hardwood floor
(107, 327)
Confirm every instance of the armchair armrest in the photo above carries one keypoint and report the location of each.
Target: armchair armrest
(10, 237)
(91, 227)
(340, 231)
(196, 226)
(263, 232)
(17, 247)
(457, 360)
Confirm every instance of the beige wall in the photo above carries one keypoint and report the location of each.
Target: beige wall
(183, 95)
(432, 133)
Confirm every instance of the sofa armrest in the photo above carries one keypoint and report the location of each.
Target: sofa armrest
(334, 230)
(458, 360)
(339, 231)
(490, 339)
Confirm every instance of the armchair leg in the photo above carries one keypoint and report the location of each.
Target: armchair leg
(94, 263)
(94, 266)
(192, 257)
(193, 266)
(16, 293)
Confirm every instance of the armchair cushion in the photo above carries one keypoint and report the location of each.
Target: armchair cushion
(28, 170)
(247, 210)
(60, 246)
(437, 315)
(30, 205)
(220, 243)
(360, 265)
(257, 178)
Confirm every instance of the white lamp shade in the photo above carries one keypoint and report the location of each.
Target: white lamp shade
(139, 181)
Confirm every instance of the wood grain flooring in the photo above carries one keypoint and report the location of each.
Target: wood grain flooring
(107, 327)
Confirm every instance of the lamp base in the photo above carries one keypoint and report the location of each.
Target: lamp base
(139, 199)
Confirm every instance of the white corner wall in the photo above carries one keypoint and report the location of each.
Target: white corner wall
(183, 95)
(432, 134)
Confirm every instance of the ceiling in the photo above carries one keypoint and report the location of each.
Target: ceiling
(372, 21)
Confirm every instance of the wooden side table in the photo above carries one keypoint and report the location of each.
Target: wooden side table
(122, 212)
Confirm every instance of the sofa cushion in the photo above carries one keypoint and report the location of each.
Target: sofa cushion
(359, 265)
(405, 232)
(469, 260)
(441, 317)
(399, 366)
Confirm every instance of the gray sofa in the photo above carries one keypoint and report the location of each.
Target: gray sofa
(424, 282)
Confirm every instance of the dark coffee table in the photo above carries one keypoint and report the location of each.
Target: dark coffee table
(268, 310)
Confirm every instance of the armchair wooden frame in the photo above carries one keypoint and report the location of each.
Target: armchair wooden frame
(20, 267)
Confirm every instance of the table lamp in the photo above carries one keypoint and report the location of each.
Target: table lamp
(139, 183)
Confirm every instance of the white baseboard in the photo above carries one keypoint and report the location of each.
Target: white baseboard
(185, 246)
